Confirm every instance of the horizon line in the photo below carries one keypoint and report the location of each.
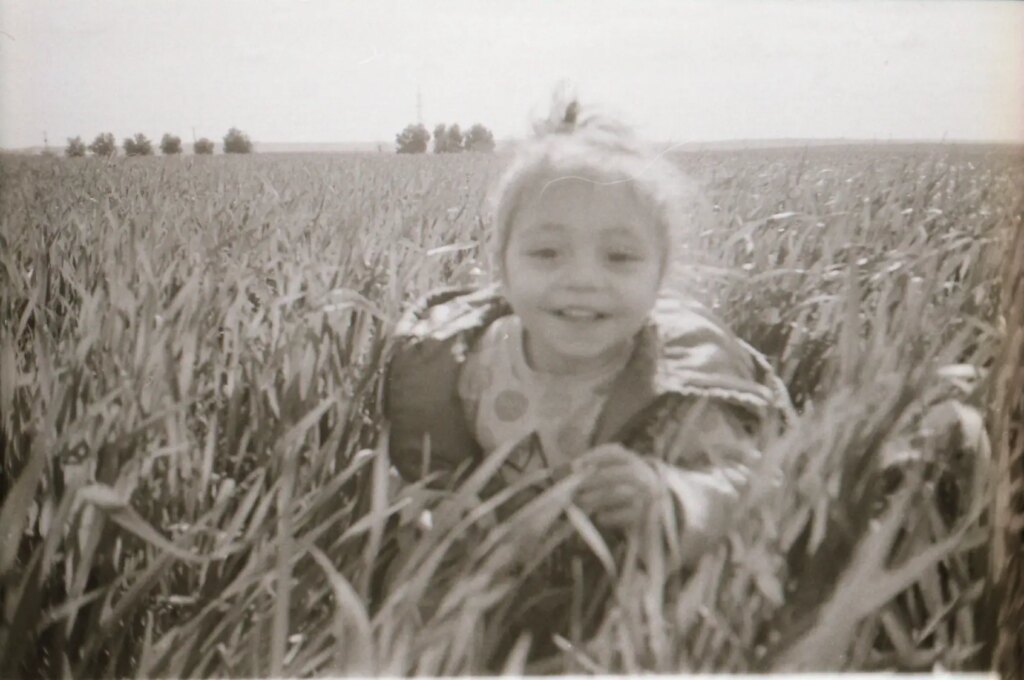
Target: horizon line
(789, 141)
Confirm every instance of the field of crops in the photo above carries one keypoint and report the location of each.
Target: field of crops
(195, 483)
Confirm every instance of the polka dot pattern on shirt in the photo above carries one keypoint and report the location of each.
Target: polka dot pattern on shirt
(507, 401)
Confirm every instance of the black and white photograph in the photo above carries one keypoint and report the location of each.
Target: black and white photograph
(454, 338)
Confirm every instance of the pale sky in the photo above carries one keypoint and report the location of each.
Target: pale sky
(319, 71)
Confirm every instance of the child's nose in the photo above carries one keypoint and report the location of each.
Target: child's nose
(584, 272)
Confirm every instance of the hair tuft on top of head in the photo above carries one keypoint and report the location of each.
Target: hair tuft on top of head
(563, 112)
(571, 112)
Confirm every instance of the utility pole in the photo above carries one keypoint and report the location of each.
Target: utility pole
(419, 106)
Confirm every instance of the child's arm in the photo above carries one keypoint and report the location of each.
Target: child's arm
(701, 459)
(706, 463)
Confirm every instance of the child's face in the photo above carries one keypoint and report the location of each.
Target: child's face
(581, 269)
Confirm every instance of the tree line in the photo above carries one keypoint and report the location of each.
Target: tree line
(413, 139)
(235, 141)
(447, 139)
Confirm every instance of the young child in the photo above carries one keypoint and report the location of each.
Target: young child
(575, 359)
(572, 354)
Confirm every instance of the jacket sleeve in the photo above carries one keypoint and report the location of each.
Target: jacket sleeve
(705, 452)
(428, 429)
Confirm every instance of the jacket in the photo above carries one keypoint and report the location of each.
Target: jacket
(686, 370)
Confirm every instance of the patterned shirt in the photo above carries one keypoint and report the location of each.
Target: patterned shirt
(506, 400)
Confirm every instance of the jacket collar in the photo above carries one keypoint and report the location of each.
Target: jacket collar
(683, 350)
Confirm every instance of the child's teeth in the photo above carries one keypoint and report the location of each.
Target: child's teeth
(579, 313)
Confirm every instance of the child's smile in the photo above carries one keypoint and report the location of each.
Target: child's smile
(582, 270)
(580, 314)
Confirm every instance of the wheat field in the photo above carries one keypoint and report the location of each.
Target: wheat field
(195, 479)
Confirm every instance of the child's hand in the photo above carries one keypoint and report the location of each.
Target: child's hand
(618, 486)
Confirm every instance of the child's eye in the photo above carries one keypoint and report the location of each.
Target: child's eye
(543, 253)
(619, 256)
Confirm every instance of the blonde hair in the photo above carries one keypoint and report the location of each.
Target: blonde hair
(569, 143)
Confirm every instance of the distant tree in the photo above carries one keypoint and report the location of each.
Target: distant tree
(202, 147)
(413, 139)
(139, 145)
(479, 138)
(75, 148)
(170, 144)
(440, 138)
(104, 145)
(453, 139)
(236, 141)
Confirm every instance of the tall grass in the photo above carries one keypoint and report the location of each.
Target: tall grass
(195, 481)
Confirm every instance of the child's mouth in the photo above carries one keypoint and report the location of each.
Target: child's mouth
(579, 314)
